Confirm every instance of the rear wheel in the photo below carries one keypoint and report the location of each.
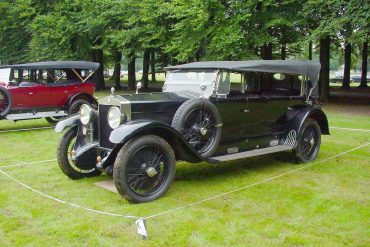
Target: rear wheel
(75, 106)
(5, 102)
(309, 141)
(53, 119)
(65, 158)
(144, 169)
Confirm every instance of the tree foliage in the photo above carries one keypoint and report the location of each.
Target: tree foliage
(177, 31)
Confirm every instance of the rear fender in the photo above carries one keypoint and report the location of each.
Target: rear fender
(183, 150)
(84, 96)
(295, 125)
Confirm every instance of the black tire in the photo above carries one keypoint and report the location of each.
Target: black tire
(309, 141)
(5, 102)
(65, 161)
(138, 156)
(75, 106)
(193, 116)
(53, 119)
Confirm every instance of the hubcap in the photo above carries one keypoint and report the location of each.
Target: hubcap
(151, 172)
(203, 131)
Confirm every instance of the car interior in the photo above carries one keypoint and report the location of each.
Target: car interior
(261, 84)
(28, 78)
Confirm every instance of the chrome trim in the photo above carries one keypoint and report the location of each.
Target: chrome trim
(251, 153)
(22, 116)
(120, 102)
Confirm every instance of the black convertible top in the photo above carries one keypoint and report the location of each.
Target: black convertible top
(308, 68)
(57, 65)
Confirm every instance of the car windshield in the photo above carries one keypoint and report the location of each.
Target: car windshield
(190, 81)
(4, 75)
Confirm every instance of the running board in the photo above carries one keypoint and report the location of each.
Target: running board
(24, 116)
(251, 153)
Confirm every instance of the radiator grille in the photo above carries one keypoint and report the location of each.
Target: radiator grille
(104, 128)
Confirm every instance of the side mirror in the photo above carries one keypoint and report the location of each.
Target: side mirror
(139, 85)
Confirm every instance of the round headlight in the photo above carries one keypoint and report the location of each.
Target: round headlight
(85, 114)
(115, 117)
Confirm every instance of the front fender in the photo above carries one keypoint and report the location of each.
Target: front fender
(69, 121)
(183, 150)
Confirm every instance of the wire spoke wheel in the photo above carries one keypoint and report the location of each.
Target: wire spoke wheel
(5, 102)
(144, 168)
(309, 141)
(72, 162)
(147, 171)
(67, 160)
(199, 129)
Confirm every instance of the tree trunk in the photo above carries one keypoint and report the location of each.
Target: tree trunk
(40, 75)
(347, 65)
(50, 76)
(32, 75)
(11, 77)
(20, 75)
(283, 52)
(364, 66)
(131, 72)
(146, 64)
(98, 56)
(325, 68)
(310, 50)
(266, 51)
(117, 69)
(152, 65)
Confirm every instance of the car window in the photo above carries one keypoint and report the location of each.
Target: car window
(280, 84)
(4, 75)
(224, 83)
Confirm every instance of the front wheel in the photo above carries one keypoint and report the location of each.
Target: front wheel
(144, 169)
(65, 158)
(309, 141)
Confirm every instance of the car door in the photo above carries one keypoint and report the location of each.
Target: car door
(232, 106)
(24, 97)
(284, 93)
(233, 115)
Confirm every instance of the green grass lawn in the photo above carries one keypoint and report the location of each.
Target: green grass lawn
(325, 205)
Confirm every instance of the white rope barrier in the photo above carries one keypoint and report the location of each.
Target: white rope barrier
(18, 130)
(340, 128)
(28, 163)
(67, 203)
(254, 184)
(141, 221)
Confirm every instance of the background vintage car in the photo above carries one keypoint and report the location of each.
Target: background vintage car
(50, 89)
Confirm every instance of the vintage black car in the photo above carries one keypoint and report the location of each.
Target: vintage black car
(208, 111)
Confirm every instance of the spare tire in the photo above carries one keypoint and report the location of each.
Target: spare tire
(5, 102)
(199, 121)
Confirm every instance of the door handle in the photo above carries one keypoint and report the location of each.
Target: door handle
(245, 110)
(30, 93)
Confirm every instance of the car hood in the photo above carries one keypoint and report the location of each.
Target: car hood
(159, 97)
